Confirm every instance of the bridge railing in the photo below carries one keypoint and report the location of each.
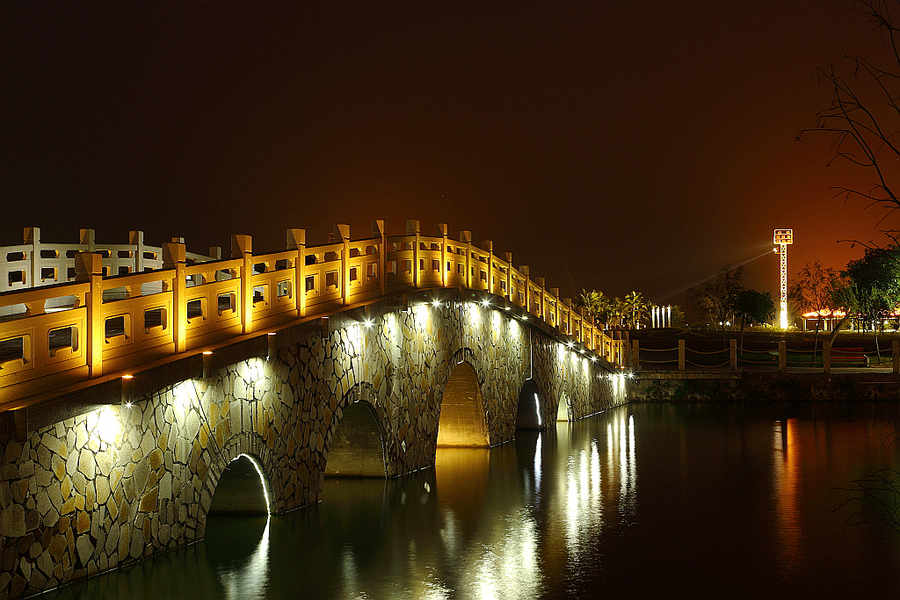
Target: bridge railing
(773, 355)
(36, 263)
(56, 335)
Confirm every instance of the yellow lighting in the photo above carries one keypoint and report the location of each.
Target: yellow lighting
(108, 427)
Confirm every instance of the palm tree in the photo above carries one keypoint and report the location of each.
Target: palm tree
(635, 309)
(595, 304)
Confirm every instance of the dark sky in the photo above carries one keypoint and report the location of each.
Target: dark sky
(609, 145)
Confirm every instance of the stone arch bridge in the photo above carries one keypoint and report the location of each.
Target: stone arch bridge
(126, 398)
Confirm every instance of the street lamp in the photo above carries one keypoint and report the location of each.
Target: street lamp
(783, 237)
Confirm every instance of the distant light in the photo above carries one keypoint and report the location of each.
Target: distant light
(485, 302)
(127, 376)
(436, 303)
(368, 323)
(569, 344)
(207, 352)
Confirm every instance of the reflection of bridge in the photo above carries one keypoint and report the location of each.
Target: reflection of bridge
(126, 398)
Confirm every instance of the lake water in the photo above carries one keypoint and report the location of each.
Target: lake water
(645, 501)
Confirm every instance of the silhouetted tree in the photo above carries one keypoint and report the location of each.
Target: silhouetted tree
(812, 290)
(753, 307)
(864, 115)
(718, 296)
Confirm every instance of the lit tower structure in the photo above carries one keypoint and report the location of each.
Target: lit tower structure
(783, 237)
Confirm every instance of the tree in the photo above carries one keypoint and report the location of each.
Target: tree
(595, 304)
(864, 115)
(635, 309)
(717, 297)
(753, 307)
(812, 290)
(875, 284)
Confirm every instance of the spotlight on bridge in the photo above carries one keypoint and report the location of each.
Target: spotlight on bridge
(368, 323)
(570, 344)
(436, 303)
(485, 302)
(207, 364)
(126, 390)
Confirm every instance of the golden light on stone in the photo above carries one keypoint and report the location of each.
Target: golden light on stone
(108, 427)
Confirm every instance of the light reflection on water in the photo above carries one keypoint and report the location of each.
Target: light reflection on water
(646, 500)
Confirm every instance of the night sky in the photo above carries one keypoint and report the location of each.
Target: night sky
(609, 145)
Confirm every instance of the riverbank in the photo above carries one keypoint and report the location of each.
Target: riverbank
(756, 386)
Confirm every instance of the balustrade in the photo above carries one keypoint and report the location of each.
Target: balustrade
(168, 301)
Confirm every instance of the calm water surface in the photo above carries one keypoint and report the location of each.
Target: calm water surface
(702, 501)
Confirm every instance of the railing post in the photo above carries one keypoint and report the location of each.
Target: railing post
(681, 353)
(541, 313)
(89, 268)
(526, 271)
(174, 257)
(732, 352)
(507, 256)
(782, 356)
(136, 239)
(379, 232)
(86, 238)
(895, 353)
(412, 228)
(343, 232)
(826, 356)
(33, 237)
(466, 238)
(441, 230)
(242, 247)
(555, 293)
(296, 240)
(489, 246)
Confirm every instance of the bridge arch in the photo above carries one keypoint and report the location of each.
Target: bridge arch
(357, 442)
(528, 412)
(244, 465)
(462, 421)
(242, 488)
(564, 410)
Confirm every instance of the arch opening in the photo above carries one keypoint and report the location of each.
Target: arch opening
(357, 446)
(462, 420)
(562, 413)
(242, 489)
(528, 413)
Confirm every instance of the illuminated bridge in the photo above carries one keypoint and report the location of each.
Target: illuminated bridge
(137, 383)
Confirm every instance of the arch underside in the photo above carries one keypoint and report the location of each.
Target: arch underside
(240, 489)
(357, 446)
(528, 410)
(462, 420)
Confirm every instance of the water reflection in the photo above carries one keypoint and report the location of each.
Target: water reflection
(245, 577)
(643, 501)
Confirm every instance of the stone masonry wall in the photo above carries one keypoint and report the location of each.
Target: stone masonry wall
(123, 483)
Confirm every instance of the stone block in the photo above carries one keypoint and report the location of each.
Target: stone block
(149, 500)
(85, 549)
(86, 463)
(12, 521)
(102, 489)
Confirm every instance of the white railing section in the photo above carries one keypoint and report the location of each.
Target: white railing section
(62, 334)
